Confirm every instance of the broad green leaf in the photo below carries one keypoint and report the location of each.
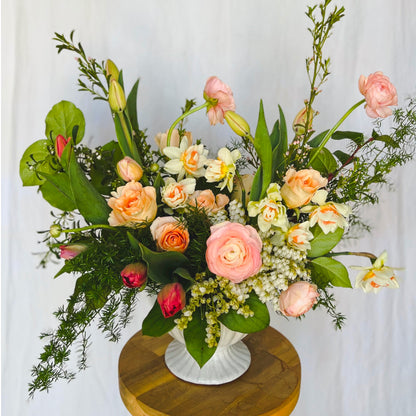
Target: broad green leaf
(92, 206)
(343, 157)
(62, 119)
(256, 185)
(184, 273)
(160, 266)
(121, 137)
(66, 268)
(132, 106)
(323, 243)
(57, 191)
(37, 154)
(387, 140)
(275, 134)
(317, 140)
(279, 145)
(263, 148)
(326, 270)
(195, 335)
(355, 136)
(283, 131)
(239, 323)
(324, 163)
(155, 324)
(135, 245)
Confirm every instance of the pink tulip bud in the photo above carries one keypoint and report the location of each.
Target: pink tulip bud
(171, 299)
(129, 169)
(60, 143)
(70, 251)
(134, 275)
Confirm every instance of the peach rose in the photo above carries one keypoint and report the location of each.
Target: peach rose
(132, 204)
(298, 298)
(169, 234)
(207, 200)
(379, 94)
(221, 99)
(175, 140)
(300, 187)
(234, 251)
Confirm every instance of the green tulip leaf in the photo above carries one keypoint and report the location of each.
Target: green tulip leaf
(195, 335)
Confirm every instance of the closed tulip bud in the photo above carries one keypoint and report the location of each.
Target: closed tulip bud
(134, 275)
(111, 70)
(55, 230)
(116, 97)
(171, 299)
(300, 120)
(70, 251)
(60, 143)
(129, 169)
(237, 123)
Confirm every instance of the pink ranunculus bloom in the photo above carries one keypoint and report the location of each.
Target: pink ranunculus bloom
(171, 299)
(379, 94)
(134, 275)
(70, 251)
(221, 99)
(234, 251)
(298, 298)
(60, 143)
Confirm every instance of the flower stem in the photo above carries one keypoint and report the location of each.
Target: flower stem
(184, 115)
(352, 253)
(89, 227)
(333, 130)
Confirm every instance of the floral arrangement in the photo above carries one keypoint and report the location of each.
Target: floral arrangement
(215, 237)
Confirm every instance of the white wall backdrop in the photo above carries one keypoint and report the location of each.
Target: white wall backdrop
(258, 48)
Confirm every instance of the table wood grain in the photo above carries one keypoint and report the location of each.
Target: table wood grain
(270, 387)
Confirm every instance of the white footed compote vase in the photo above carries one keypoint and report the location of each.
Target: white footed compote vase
(231, 359)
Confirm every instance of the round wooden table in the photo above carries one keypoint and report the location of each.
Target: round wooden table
(270, 387)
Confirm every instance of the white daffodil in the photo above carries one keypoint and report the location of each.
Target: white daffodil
(176, 194)
(373, 278)
(299, 236)
(329, 215)
(186, 160)
(223, 168)
(269, 211)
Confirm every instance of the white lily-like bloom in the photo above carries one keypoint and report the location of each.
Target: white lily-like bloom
(299, 236)
(176, 194)
(329, 215)
(223, 168)
(373, 278)
(186, 160)
(269, 211)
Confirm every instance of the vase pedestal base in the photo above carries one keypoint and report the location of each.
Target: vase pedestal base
(270, 386)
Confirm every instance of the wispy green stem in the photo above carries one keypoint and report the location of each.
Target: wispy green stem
(89, 227)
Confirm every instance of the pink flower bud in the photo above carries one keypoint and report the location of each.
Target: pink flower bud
(220, 99)
(70, 251)
(171, 299)
(134, 275)
(129, 169)
(298, 298)
(60, 143)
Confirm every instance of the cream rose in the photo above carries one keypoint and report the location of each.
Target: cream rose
(132, 204)
(300, 187)
(234, 251)
(169, 234)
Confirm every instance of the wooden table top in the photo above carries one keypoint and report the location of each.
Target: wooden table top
(270, 387)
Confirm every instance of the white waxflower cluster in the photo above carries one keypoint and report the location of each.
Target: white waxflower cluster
(219, 296)
(281, 266)
(218, 217)
(236, 212)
